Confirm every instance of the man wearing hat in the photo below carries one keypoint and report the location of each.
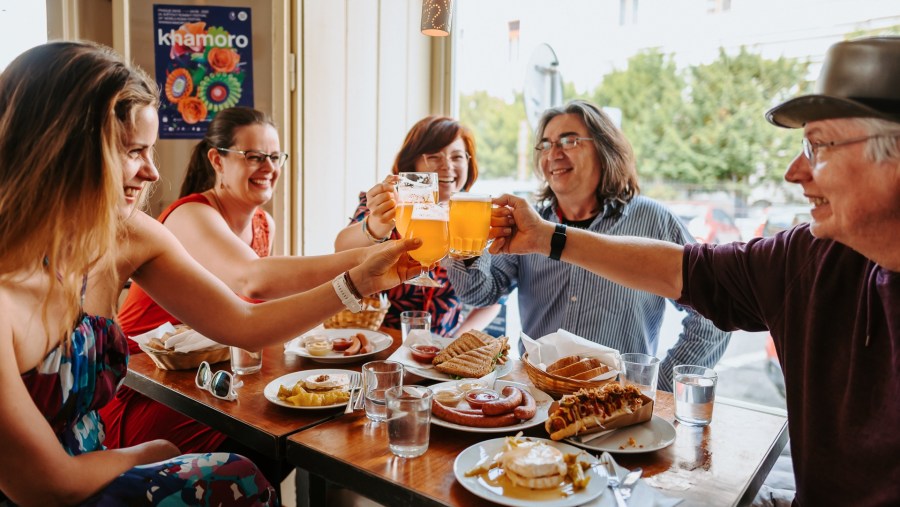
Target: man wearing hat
(828, 291)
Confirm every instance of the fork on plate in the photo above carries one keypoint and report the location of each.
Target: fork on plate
(354, 386)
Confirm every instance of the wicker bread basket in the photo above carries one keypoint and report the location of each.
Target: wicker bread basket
(554, 385)
(370, 318)
(169, 360)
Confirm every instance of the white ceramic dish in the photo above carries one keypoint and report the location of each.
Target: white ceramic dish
(543, 404)
(402, 355)
(289, 380)
(478, 486)
(380, 341)
(653, 435)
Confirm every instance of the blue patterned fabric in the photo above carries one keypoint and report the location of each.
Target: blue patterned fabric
(80, 376)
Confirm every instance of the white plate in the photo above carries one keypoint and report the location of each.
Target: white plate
(477, 485)
(402, 355)
(380, 341)
(655, 434)
(289, 380)
(543, 404)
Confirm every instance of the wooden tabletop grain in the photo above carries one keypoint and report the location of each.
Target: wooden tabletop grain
(251, 419)
(721, 464)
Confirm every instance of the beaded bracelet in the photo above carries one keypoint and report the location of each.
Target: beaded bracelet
(373, 239)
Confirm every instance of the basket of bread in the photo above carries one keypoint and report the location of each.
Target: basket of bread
(370, 317)
(568, 374)
(181, 348)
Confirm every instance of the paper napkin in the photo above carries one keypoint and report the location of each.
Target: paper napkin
(549, 348)
(182, 338)
(641, 494)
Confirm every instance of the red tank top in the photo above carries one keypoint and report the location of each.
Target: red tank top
(139, 313)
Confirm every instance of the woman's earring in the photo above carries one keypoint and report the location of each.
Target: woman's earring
(221, 185)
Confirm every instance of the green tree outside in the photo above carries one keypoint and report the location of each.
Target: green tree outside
(701, 126)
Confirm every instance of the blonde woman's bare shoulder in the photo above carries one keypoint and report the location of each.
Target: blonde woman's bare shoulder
(143, 239)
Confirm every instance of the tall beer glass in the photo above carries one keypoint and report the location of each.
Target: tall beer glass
(417, 194)
(428, 222)
(470, 223)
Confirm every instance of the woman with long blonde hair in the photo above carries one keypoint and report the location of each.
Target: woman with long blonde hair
(77, 131)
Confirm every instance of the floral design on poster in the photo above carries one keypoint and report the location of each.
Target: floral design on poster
(203, 65)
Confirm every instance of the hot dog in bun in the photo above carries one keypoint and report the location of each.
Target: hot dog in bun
(590, 410)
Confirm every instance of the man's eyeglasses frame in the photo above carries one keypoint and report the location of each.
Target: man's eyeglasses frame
(564, 143)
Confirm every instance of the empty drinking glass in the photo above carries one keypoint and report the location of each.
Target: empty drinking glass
(641, 370)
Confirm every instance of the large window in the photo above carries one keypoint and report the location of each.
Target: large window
(689, 83)
(23, 25)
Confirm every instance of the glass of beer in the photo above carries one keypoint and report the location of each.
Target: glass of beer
(470, 223)
(428, 222)
(412, 188)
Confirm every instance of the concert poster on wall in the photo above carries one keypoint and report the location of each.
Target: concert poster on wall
(204, 64)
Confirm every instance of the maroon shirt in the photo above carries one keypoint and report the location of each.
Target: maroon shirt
(835, 319)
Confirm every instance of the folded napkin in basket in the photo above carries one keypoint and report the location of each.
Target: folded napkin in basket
(175, 339)
(544, 351)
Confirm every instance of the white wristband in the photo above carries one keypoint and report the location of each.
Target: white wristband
(343, 291)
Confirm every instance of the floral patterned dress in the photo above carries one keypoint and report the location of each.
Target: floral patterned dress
(80, 376)
(442, 302)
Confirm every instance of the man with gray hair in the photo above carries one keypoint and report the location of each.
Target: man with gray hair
(828, 291)
(591, 183)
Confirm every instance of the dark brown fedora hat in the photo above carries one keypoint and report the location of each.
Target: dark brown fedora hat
(859, 78)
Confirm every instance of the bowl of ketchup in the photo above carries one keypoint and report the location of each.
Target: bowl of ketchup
(477, 397)
(424, 353)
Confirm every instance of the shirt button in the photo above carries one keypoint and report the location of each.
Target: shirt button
(573, 298)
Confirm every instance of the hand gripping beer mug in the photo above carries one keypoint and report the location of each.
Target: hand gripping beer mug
(470, 223)
(412, 188)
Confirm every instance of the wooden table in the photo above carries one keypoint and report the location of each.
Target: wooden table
(726, 461)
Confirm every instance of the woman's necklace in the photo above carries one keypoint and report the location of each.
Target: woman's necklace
(221, 209)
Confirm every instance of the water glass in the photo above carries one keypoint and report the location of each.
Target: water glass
(409, 420)
(378, 377)
(245, 362)
(413, 322)
(641, 370)
(695, 392)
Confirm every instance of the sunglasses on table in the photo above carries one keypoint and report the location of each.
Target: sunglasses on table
(220, 384)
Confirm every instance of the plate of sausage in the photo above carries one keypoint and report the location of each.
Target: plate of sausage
(337, 346)
(507, 408)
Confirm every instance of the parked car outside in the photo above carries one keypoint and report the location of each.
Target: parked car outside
(781, 218)
(708, 223)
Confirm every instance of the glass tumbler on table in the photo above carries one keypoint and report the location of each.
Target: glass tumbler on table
(695, 392)
(245, 362)
(409, 420)
(470, 223)
(378, 377)
(642, 371)
(414, 321)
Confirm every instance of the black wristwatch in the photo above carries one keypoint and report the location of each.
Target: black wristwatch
(558, 242)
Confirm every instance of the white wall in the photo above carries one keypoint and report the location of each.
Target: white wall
(365, 81)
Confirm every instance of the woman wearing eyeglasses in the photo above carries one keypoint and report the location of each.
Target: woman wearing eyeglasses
(434, 144)
(220, 221)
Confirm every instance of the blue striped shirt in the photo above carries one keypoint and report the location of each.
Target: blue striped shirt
(556, 295)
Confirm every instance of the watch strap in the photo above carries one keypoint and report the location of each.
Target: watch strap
(558, 242)
(345, 291)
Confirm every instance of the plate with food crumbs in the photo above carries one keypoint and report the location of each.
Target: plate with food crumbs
(655, 434)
